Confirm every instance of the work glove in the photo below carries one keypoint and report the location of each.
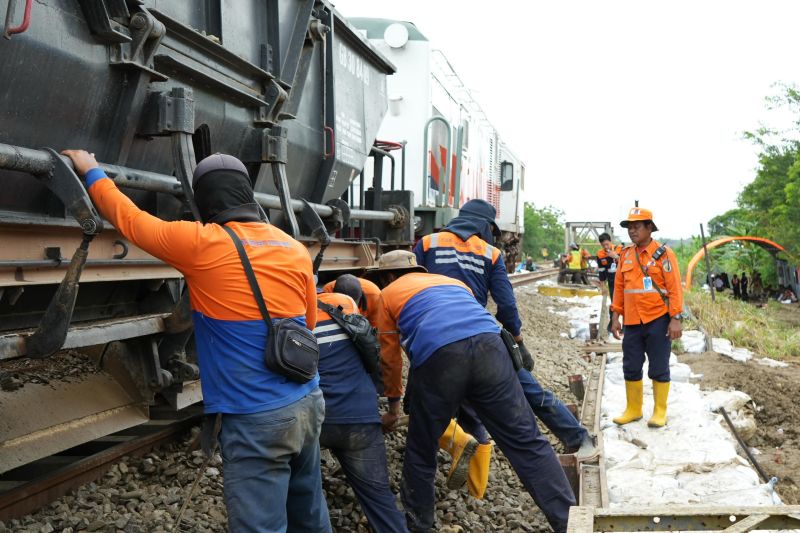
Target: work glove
(527, 358)
(389, 418)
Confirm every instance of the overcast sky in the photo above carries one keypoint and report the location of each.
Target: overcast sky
(612, 101)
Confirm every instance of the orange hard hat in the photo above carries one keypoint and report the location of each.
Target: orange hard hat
(638, 214)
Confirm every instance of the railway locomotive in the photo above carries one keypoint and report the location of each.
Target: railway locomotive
(446, 137)
(151, 87)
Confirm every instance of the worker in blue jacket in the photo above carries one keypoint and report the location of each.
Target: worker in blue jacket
(456, 357)
(461, 250)
(352, 426)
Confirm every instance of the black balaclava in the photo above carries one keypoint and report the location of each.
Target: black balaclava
(223, 192)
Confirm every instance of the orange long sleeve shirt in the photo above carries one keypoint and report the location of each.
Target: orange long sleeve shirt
(638, 304)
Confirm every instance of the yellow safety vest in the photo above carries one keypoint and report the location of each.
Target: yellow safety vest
(575, 260)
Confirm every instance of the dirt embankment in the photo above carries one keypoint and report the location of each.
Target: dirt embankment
(776, 393)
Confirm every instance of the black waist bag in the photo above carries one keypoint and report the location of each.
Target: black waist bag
(291, 351)
(360, 331)
(513, 349)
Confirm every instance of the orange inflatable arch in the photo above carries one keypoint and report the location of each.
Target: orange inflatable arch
(767, 244)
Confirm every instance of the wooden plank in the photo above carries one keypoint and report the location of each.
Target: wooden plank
(748, 524)
(698, 510)
(581, 520)
(601, 348)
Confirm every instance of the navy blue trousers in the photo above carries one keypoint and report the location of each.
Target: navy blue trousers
(360, 450)
(478, 370)
(547, 408)
(650, 339)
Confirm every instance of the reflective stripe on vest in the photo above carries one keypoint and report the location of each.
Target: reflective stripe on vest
(639, 291)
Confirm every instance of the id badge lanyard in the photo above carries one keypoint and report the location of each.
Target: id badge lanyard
(647, 281)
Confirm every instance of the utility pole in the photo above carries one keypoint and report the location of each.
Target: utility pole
(708, 265)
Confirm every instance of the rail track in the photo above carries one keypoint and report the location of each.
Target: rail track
(524, 278)
(32, 486)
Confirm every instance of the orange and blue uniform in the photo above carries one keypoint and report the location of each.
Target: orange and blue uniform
(607, 267)
(349, 393)
(372, 297)
(639, 304)
(230, 332)
(645, 313)
(605, 263)
(352, 430)
(478, 264)
(423, 312)
(457, 356)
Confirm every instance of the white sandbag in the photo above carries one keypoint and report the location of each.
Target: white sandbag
(726, 348)
(771, 362)
(693, 341)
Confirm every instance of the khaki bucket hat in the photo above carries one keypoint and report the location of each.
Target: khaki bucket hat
(395, 260)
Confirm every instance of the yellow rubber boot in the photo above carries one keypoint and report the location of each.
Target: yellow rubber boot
(461, 446)
(479, 471)
(660, 395)
(634, 394)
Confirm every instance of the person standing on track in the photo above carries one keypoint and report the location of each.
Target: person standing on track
(456, 355)
(462, 251)
(269, 425)
(649, 298)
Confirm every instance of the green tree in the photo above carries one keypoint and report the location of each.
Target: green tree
(544, 229)
(769, 206)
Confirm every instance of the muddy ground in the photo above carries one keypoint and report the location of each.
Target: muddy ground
(775, 393)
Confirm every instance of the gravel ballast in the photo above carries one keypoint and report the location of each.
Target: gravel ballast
(145, 494)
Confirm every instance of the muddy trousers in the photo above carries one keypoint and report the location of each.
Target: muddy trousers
(547, 408)
(271, 467)
(478, 370)
(361, 452)
(650, 339)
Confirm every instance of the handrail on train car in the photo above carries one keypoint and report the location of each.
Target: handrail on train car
(38, 162)
(444, 182)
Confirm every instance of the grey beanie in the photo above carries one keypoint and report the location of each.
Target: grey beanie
(217, 162)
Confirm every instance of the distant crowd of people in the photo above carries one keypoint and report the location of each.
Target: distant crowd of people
(751, 289)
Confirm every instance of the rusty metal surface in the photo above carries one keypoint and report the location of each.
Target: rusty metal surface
(39, 420)
(28, 243)
(346, 255)
(593, 491)
(28, 497)
(100, 332)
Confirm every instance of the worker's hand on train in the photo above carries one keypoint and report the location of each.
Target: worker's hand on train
(82, 160)
(675, 329)
(616, 326)
(389, 418)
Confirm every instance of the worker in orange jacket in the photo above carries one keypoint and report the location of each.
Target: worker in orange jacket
(649, 298)
(368, 304)
(456, 353)
(270, 425)
(607, 258)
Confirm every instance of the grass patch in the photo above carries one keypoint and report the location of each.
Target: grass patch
(768, 331)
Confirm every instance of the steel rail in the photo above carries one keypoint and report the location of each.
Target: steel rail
(37, 493)
(524, 278)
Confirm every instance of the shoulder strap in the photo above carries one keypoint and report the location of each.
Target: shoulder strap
(251, 277)
(662, 249)
(334, 311)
